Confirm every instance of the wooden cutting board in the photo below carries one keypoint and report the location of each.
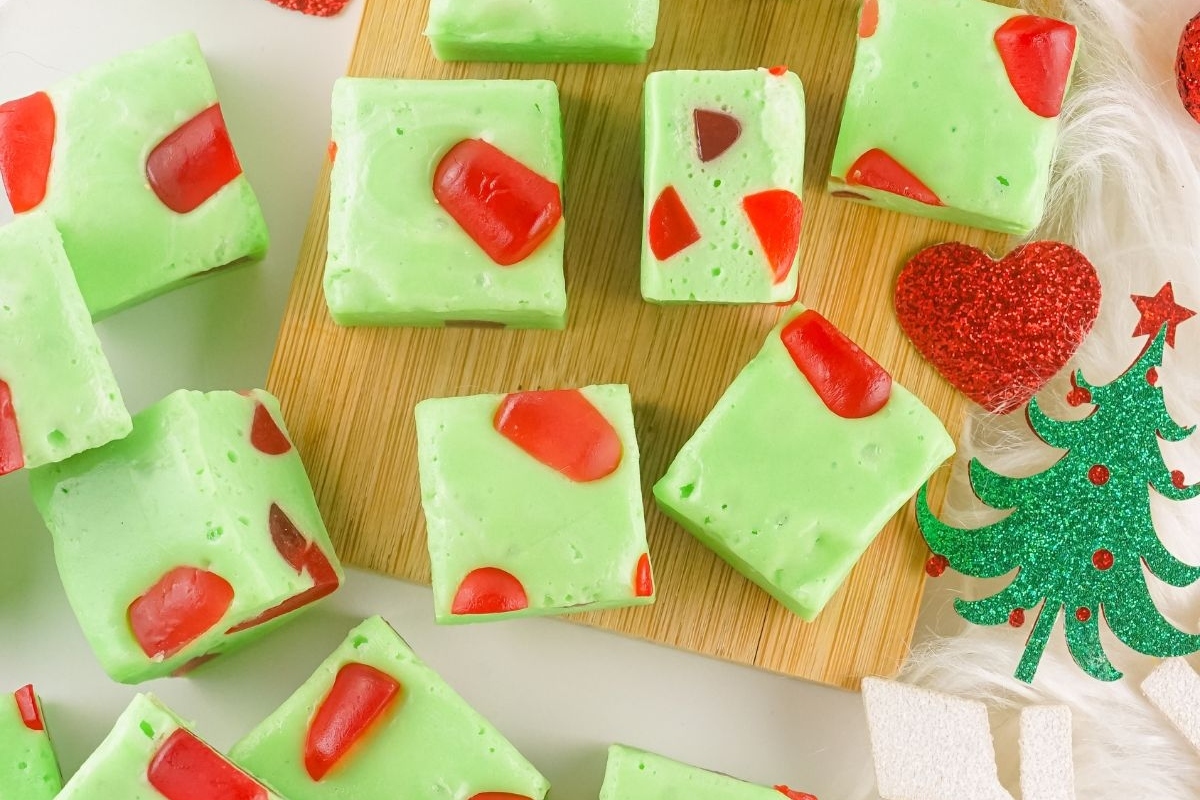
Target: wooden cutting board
(348, 394)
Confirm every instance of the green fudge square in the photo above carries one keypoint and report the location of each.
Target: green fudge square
(28, 766)
(533, 503)
(151, 754)
(417, 159)
(58, 395)
(607, 31)
(633, 774)
(132, 161)
(374, 722)
(801, 463)
(953, 111)
(724, 180)
(193, 536)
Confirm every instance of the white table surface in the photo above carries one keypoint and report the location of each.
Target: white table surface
(560, 692)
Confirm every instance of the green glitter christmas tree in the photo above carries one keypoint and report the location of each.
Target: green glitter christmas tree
(1080, 531)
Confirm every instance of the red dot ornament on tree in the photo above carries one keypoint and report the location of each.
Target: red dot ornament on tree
(1102, 559)
(1099, 474)
(936, 566)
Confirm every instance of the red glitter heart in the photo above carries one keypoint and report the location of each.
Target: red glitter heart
(314, 8)
(998, 330)
(1187, 67)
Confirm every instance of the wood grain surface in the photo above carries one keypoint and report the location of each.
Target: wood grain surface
(348, 394)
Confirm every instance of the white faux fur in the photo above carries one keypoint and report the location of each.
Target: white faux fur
(1127, 193)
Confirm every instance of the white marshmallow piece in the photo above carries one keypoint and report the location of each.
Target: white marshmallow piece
(1047, 763)
(1174, 689)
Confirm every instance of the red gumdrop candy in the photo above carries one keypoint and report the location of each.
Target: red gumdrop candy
(505, 207)
(360, 696)
(716, 132)
(561, 429)
(193, 163)
(643, 578)
(776, 216)
(288, 540)
(849, 382)
(27, 707)
(794, 795)
(12, 456)
(1037, 53)
(26, 146)
(266, 435)
(878, 170)
(671, 226)
(185, 768)
(868, 21)
(183, 605)
(489, 590)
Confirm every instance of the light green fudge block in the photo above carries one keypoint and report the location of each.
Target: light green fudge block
(633, 774)
(426, 744)
(606, 31)
(208, 484)
(712, 176)
(63, 393)
(931, 91)
(522, 537)
(396, 256)
(125, 245)
(28, 767)
(151, 754)
(789, 492)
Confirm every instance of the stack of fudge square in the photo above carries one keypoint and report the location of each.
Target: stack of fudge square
(191, 529)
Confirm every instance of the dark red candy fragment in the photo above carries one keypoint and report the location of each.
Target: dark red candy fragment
(505, 207)
(314, 8)
(878, 170)
(193, 163)
(184, 604)
(489, 590)
(360, 696)
(26, 146)
(266, 435)
(287, 538)
(27, 707)
(563, 430)
(794, 795)
(716, 132)
(777, 217)
(193, 665)
(12, 456)
(1037, 53)
(185, 768)
(671, 226)
(643, 578)
(868, 21)
(848, 381)
(1187, 67)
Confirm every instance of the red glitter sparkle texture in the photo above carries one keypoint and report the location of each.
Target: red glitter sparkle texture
(1187, 67)
(314, 8)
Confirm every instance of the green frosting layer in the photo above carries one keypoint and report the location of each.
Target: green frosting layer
(118, 768)
(634, 774)
(727, 264)
(396, 257)
(124, 244)
(930, 89)
(613, 31)
(573, 546)
(188, 488)
(428, 744)
(28, 766)
(63, 390)
(790, 493)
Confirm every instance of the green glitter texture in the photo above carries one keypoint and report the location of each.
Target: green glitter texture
(1080, 531)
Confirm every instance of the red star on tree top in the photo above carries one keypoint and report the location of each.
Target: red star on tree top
(1159, 310)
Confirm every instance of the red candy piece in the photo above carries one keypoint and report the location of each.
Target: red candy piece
(878, 170)
(1187, 67)
(185, 768)
(193, 163)
(266, 435)
(26, 146)
(671, 226)
(499, 796)
(27, 707)
(849, 382)
(643, 578)
(489, 590)
(776, 216)
(184, 604)
(505, 207)
(716, 132)
(360, 696)
(12, 456)
(868, 22)
(561, 429)
(288, 540)
(1037, 53)
(314, 8)
(195, 664)
(794, 795)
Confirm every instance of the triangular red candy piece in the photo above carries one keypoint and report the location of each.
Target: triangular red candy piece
(643, 578)
(563, 430)
(849, 382)
(489, 590)
(178, 609)
(1037, 53)
(185, 768)
(499, 796)
(26, 147)
(27, 708)
(716, 132)
(878, 170)
(265, 433)
(868, 20)
(193, 162)
(671, 226)
(776, 216)
(12, 456)
(360, 696)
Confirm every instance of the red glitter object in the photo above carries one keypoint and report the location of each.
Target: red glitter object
(998, 330)
(936, 566)
(1102, 559)
(1177, 479)
(314, 8)
(1099, 474)
(1017, 617)
(1187, 67)
(1159, 310)
(1083, 614)
(1152, 376)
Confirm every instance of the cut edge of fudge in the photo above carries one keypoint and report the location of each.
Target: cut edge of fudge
(627, 764)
